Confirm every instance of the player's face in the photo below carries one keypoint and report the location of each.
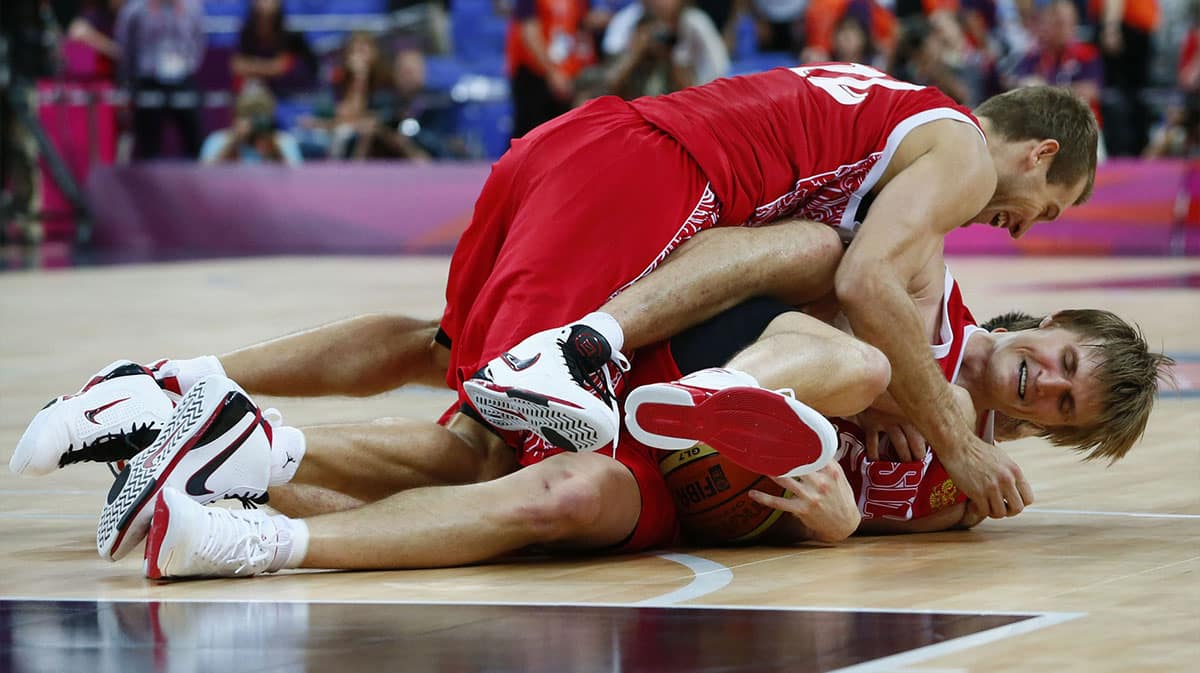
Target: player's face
(1024, 197)
(1046, 376)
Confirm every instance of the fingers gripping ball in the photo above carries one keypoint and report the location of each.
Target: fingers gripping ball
(711, 497)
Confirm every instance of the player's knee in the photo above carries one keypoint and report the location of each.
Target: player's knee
(872, 372)
(567, 501)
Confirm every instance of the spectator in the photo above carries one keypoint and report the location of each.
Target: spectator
(162, 44)
(548, 46)
(673, 47)
(1060, 58)
(362, 91)
(779, 24)
(1179, 133)
(822, 16)
(852, 43)
(253, 136)
(269, 53)
(427, 21)
(421, 122)
(1125, 31)
(95, 27)
(925, 55)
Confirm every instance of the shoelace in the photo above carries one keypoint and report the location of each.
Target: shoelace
(599, 382)
(110, 448)
(235, 538)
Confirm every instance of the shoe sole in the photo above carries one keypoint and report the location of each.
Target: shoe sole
(126, 517)
(760, 430)
(561, 424)
(159, 524)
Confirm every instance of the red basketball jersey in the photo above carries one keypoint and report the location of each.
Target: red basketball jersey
(806, 142)
(905, 491)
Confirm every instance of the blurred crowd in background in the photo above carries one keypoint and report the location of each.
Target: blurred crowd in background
(418, 80)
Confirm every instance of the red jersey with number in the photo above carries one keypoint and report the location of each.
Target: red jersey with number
(805, 142)
(912, 490)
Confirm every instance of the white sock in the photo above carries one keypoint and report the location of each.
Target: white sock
(188, 372)
(608, 328)
(287, 450)
(293, 543)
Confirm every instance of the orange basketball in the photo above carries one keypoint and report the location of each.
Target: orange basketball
(711, 498)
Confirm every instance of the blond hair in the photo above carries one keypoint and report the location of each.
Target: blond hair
(1128, 373)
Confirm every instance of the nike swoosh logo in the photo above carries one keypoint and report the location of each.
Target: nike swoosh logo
(148, 463)
(516, 364)
(90, 414)
(197, 484)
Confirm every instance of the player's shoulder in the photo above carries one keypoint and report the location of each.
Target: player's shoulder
(959, 147)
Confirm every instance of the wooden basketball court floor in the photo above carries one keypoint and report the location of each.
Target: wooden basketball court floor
(1102, 574)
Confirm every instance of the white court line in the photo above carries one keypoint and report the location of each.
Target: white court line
(707, 577)
(1088, 512)
(1123, 577)
(916, 656)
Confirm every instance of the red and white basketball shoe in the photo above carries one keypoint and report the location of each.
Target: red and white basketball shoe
(188, 539)
(556, 384)
(765, 431)
(116, 414)
(216, 445)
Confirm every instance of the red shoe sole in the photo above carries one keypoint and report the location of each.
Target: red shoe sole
(755, 428)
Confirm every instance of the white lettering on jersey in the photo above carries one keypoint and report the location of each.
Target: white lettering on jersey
(851, 87)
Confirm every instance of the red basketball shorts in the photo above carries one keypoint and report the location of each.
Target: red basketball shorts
(574, 212)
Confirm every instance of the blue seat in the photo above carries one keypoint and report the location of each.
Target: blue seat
(443, 72)
(761, 62)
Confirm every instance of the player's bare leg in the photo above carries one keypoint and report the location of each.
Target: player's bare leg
(717, 269)
(570, 500)
(359, 356)
(829, 370)
(370, 461)
(550, 384)
(766, 409)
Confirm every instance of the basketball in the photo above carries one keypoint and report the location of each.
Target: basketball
(711, 497)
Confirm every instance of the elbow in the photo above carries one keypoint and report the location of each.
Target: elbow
(854, 284)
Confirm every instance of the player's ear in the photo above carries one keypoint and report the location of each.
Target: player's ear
(1044, 150)
(1046, 321)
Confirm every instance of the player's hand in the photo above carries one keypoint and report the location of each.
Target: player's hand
(905, 443)
(822, 501)
(992, 480)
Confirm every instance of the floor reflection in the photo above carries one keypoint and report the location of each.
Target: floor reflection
(179, 637)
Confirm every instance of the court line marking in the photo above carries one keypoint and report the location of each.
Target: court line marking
(1110, 580)
(707, 577)
(889, 664)
(1089, 512)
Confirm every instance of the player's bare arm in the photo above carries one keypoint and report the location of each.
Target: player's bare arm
(894, 244)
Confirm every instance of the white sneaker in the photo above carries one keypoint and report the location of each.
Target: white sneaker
(765, 431)
(188, 539)
(217, 445)
(556, 384)
(116, 414)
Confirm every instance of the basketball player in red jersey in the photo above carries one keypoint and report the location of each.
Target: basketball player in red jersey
(581, 500)
(586, 206)
(791, 341)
